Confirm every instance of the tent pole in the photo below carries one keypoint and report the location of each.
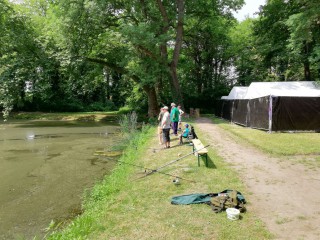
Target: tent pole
(231, 120)
(270, 114)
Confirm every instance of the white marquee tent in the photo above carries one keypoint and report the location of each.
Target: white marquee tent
(274, 106)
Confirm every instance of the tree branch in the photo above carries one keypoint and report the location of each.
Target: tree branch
(146, 52)
(164, 15)
(179, 29)
(114, 67)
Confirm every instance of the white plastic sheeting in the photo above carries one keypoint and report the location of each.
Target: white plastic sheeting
(280, 89)
(283, 89)
(236, 93)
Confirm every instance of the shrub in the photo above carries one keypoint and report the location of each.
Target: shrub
(128, 123)
(125, 110)
(99, 106)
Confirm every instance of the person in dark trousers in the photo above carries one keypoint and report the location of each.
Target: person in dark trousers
(174, 116)
(166, 125)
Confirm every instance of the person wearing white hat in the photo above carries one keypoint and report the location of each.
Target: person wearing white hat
(159, 126)
(166, 125)
(180, 117)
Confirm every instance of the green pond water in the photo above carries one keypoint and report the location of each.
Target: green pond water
(45, 167)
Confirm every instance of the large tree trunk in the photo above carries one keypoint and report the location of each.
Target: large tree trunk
(173, 80)
(177, 94)
(152, 100)
(307, 73)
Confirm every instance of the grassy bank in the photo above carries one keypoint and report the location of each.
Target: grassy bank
(103, 193)
(124, 207)
(285, 144)
(81, 116)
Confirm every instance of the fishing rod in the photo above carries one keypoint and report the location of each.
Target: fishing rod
(149, 169)
(173, 161)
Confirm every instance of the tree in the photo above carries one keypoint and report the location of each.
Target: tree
(151, 34)
(18, 56)
(87, 51)
(207, 54)
(304, 40)
(287, 33)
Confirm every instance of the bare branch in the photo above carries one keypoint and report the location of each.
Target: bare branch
(114, 67)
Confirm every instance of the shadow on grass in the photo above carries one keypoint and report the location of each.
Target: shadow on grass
(210, 162)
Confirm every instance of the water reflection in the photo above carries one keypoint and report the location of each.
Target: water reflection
(44, 171)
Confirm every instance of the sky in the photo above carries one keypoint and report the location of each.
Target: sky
(250, 7)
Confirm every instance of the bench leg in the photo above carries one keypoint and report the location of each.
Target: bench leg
(206, 159)
(193, 149)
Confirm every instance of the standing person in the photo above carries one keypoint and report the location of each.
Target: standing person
(180, 118)
(165, 124)
(174, 115)
(159, 126)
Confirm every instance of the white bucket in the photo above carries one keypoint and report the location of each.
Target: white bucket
(176, 181)
(233, 213)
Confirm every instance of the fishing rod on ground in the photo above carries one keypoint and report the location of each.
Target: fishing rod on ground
(149, 169)
(171, 162)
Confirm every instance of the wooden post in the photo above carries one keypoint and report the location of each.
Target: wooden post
(191, 112)
(197, 112)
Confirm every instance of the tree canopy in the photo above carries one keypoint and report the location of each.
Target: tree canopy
(90, 55)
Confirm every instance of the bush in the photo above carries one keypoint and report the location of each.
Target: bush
(128, 123)
(99, 106)
(125, 110)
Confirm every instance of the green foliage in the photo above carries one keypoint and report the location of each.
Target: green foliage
(101, 55)
(83, 53)
(286, 40)
(245, 55)
(18, 56)
(209, 54)
(305, 34)
(125, 110)
(99, 106)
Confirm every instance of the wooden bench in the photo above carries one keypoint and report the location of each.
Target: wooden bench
(197, 145)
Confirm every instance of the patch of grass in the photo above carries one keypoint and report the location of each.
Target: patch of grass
(275, 143)
(283, 220)
(103, 194)
(78, 116)
(308, 161)
(126, 206)
(302, 218)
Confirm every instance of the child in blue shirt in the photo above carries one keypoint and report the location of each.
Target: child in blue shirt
(184, 134)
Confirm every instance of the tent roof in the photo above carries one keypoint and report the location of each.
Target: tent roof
(236, 93)
(289, 89)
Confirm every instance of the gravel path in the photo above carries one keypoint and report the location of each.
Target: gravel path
(285, 194)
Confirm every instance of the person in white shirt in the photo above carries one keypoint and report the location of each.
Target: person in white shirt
(160, 126)
(180, 118)
(166, 125)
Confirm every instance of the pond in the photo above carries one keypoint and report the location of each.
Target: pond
(46, 166)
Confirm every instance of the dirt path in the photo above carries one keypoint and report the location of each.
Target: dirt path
(285, 195)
